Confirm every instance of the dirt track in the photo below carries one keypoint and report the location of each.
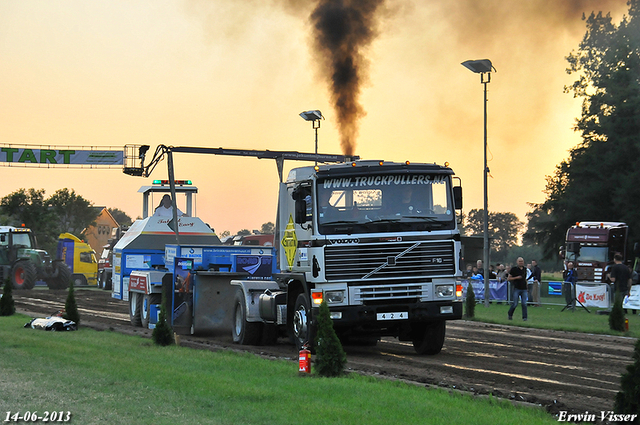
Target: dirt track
(559, 370)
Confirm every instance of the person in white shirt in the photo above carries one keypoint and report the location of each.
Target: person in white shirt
(165, 209)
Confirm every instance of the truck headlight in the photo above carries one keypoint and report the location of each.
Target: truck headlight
(444, 291)
(334, 297)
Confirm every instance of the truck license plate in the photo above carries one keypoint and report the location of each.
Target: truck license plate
(401, 315)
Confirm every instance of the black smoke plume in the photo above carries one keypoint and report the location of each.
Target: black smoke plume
(343, 30)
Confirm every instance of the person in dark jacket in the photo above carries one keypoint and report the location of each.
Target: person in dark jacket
(518, 277)
(570, 278)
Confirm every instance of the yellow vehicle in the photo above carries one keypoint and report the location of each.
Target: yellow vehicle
(80, 258)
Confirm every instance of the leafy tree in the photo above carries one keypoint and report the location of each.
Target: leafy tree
(628, 398)
(331, 357)
(120, 216)
(64, 211)
(470, 302)
(616, 317)
(72, 211)
(70, 306)
(599, 180)
(30, 208)
(163, 334)
(504, 228)
(268, 228)
(244, 232)
(7, 305)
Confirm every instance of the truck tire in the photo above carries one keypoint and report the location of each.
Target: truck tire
(23, 275)
(63, 276)
(303, 328)
(428, 338)
(145, 312)
(135, 308)
(79, 280)
(100, 282)
(243, 332)
(107, 285)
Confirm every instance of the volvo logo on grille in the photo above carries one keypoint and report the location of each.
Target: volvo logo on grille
(391, 261)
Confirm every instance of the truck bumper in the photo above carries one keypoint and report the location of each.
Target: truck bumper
(417, 312)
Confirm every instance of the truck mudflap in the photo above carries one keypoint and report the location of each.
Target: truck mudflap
(372, 316)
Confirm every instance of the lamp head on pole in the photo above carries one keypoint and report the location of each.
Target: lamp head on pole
(479, 66)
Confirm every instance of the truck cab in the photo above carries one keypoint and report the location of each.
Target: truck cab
(591, 246)
(379, 242)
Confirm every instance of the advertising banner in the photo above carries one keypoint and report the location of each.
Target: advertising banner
(497, 289)
(26, 156)
(633, 301)
(593, 295)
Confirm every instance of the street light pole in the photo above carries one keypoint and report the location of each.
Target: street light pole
(315, 117)
(485, 229)
(484, 67)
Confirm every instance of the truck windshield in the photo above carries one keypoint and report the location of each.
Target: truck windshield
(22, 239)
(593, 253)
(384, 203)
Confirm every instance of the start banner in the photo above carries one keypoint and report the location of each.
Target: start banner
(12, 154)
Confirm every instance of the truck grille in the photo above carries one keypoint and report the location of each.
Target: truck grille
(397, 292)
(389, 261)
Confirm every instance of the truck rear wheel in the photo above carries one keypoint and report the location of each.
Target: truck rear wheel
(244, 332)
(79, 280)
(135, 308)
(23, 275)
(302, 326)
(428, 338)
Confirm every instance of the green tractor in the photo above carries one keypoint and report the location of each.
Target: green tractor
(25, 264)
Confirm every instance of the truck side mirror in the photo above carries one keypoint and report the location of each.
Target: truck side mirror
(301, 211)
(457, 197)
(562, 253)
(3, 238)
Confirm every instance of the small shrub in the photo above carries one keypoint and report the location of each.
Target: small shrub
(162, 333)
(331, 358)
(7, 305)
(616, 317)
(70, 306)
(470, 302)
(628, 398)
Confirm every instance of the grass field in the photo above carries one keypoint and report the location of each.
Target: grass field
(552, 317)
(106, 377)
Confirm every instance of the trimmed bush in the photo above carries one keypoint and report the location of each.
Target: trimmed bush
(616, 317)
(70, 306)
(162, 333)
(470, 302)
(628, 398)
(330, 356)
(7, 305)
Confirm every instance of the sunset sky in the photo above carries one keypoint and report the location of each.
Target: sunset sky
(236, 74)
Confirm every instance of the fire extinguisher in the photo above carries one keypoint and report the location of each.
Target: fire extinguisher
(626, 325)
(305, 359)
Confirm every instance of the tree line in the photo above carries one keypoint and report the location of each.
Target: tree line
(63, 211)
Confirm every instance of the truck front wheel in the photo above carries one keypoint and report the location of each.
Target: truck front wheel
(244, 332)
(428, 338)
(63, 276)
(135, 308)
(303, 327)
(145, 312)
(23, 275)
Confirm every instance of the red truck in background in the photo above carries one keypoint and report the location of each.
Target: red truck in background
(591, 245)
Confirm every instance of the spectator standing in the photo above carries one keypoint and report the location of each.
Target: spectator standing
(502, 272)
(518, 276)
(620, 275)
(569, 277)
(480, 268)
(535, 278)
